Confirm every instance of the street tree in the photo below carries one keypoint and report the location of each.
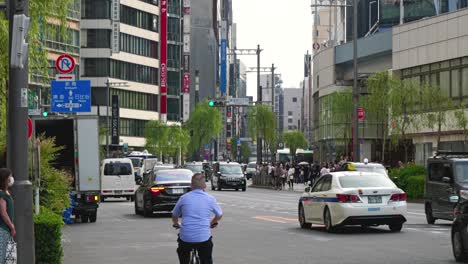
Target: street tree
(338, 113)
(46, 17)
(156, 135)
(262, 121)
(405, 99)
(461, 119)
(294, 140)
(377, 103)
(435, 105)
(245, 151)
(178, 141)
(204, 125)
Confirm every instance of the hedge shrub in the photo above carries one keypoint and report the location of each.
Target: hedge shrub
(48, 237)
(415, 187)
(401, 176)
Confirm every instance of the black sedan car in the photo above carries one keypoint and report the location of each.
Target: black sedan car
(459, 231)
(159, 192)
(228, 175)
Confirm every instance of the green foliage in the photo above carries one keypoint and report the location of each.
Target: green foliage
(405, 99)
(415, 187)
(262, 121)
(245, 151)
(54, 183)
(437, 103)
(294, 140)
(166, 140)
(404, 174)
(205, 124)
(42, 13)
(48, 237)
(462, 120)
(156, 136)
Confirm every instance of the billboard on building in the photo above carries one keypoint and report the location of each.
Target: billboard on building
(163, 60)
(223, 58)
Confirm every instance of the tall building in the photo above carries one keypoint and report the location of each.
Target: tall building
(292, 109)
(266, 84)
(119, 54)
(203, 48)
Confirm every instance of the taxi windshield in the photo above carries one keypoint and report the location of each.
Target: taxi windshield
(363, 181)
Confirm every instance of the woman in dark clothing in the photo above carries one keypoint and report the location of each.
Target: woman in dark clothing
(7, 228)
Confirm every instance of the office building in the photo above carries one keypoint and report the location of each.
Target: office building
(292, 109)
(278, 106)
(119, 50)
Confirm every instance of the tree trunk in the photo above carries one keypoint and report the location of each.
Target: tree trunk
(439, 130)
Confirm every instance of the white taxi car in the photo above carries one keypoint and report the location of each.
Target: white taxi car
(353, 198)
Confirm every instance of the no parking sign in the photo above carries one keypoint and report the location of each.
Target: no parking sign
(65, 63)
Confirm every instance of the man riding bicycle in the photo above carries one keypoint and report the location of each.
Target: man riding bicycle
(196, 208)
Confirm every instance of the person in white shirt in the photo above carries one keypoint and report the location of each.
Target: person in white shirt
(325, 170)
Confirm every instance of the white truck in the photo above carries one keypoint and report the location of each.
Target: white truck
(79, 137)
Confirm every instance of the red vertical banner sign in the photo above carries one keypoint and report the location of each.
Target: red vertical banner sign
(163, 58)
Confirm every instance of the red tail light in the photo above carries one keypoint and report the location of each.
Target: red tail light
(157, 190)
(92, 198)
(348, 198)
(456, 212)
(397, 197)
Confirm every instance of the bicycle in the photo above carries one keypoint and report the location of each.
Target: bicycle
(194, 257)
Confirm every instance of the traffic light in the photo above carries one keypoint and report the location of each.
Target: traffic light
(216, 103)
(45, 114)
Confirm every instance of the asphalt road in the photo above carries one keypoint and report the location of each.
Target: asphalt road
(259, 226)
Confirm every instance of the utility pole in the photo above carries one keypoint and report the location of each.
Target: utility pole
(356, 145)
(259, 101)
(17, 149)
(259, 90)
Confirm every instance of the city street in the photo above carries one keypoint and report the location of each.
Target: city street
(259, 226)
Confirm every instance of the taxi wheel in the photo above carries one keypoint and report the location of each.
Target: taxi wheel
(395, 227)
(457, 247)
(327, 221)
(302, 221)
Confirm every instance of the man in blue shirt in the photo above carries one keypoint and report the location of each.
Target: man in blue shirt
(196, 209)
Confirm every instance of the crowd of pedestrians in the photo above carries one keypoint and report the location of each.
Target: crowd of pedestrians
(285, 173)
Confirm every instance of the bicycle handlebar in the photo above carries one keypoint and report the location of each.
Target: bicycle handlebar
(178, 226)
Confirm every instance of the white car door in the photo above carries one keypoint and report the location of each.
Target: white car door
(323, 197)
(310, 206)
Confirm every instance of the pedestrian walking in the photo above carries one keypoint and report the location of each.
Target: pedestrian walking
(7, 228)
(283, 177)
(291, 178)
(297, 173)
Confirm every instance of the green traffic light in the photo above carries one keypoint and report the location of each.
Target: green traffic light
(211, 103)
(45, 114)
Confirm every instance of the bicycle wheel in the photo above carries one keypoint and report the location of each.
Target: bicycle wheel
(194, 258)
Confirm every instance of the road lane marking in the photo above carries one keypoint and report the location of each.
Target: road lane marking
(276, 219)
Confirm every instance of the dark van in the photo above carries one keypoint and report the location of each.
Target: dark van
(447, 175)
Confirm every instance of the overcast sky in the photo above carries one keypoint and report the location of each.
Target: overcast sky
(284, 31)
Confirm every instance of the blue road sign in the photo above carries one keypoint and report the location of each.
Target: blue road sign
(70, 96)
(238, 141)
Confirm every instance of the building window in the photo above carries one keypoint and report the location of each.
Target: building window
(136, 100)
(100, 67)
(465, 82)
(290, 120)
(153, 2)
(69, 43)
(294, 99)
(455, 87)
(98, 38)
(173, 56)
(173, 7)
(96, 9)
(132, 127)
(173, 82)
(138, 18)
(290, 127)
(173, 29)
(290, 113)
(96, 67)
(139, 46)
